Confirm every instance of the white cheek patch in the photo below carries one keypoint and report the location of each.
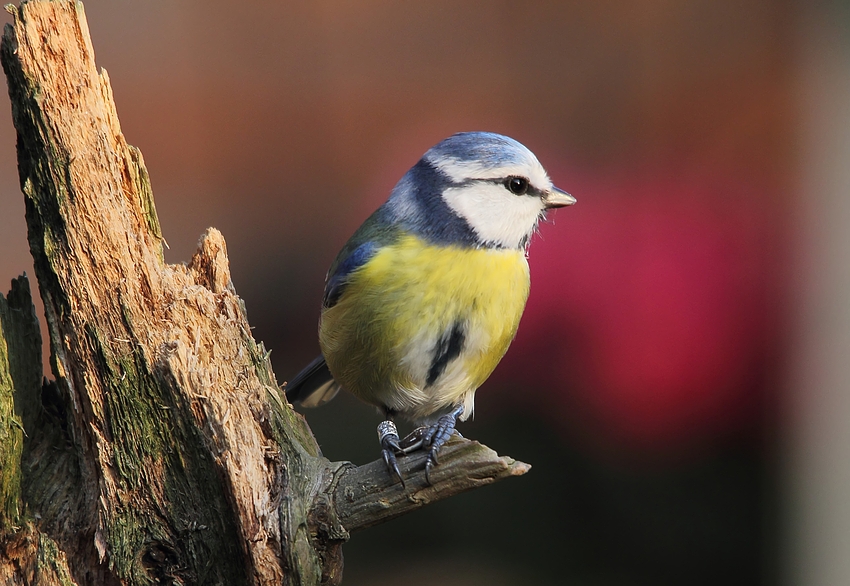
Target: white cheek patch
(494, 213)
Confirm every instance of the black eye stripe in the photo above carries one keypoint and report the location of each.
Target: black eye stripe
(497, 181)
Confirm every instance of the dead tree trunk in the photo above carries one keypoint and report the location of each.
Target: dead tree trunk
(164, 452)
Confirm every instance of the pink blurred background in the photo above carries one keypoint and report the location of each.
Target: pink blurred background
(658, 368)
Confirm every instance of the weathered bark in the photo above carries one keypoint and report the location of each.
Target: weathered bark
(165, 450)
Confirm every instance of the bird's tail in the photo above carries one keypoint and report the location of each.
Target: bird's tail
(313, 386)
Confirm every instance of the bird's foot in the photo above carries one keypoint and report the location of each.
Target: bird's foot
(388, 436)
(436, 435)
(431, 437)
(413, 441)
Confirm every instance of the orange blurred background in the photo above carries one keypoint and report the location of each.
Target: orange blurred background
(655, 362)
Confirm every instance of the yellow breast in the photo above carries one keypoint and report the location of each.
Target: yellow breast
(380, 340)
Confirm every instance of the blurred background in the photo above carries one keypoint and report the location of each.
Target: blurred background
(680, 379)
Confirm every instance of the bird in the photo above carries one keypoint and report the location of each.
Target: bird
(422, 302)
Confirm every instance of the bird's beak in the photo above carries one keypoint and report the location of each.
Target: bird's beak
(557, 198)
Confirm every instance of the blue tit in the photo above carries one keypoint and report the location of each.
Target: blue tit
(423, 301)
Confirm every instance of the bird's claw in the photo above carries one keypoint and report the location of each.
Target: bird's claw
(436, 435)
(390, 445)
(413, 441)
(432, 437)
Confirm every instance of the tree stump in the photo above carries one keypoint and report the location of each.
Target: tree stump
(164, 451)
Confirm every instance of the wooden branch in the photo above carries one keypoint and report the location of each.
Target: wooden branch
(366, 496)
(165, 451)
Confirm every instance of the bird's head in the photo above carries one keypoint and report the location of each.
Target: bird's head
(478, 186)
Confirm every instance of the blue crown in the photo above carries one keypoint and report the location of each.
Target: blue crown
(488, 149)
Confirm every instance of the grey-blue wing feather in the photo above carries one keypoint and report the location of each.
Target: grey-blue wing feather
(336, 282)
(315, 385)
(377, 231)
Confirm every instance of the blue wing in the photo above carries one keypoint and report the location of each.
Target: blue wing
(338, 279)
(315, 384)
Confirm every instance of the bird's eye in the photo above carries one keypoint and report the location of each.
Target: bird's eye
(517, 185)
